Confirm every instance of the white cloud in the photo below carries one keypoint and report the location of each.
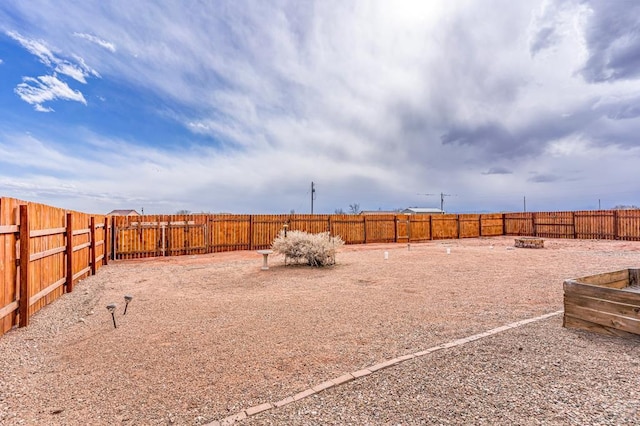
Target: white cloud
(97, 40)
(1, 61)
(36, 91)
(46, 88)
(78, 71)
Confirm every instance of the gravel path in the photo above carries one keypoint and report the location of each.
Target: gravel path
(209, 336)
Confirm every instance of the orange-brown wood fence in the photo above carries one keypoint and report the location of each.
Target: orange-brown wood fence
(168, 235)
(44, 251)
(56, 248)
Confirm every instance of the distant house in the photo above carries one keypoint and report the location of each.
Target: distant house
(422, 210)
(123, 213)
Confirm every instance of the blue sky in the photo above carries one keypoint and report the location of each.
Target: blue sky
(237, 106)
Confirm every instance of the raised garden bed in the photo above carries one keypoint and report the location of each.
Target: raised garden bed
(607, 303)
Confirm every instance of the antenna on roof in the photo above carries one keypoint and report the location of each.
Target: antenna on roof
(442, 195)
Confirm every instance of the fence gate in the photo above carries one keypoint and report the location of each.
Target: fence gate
(160, 238)
(403, 230)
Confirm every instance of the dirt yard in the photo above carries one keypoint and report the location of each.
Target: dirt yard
(208, 336)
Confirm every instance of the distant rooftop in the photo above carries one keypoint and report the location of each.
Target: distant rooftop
(422, 210)
(123, 213)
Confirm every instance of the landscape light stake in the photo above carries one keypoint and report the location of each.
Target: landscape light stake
(112, 308)
(127, 299)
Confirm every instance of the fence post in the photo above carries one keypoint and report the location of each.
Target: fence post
(329, 226)
(92, 238)
(24, 265)
(364, 221)
(533, 224)
(480, 225)
(250, 246)
(458, 225)
(431, 227)
(615, 225)
(69, 234)
(504, 224)
(395, 228)
(207, 234)
(114, 237)
(105, 236)
(159, 236)
(575, 229)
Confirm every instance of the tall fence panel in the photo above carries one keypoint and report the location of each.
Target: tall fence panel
(265, 229)
(469, 225)
(444, 226)
(230, 232)
(420, 228)
(491, 225)
(350, 228)
(312, 223)
(138, 236)
(183, 234)
(553, 224)
(598, 224)
(628, 224)
(47, 248)
(520, 224)
(44, 250)
(380, 228)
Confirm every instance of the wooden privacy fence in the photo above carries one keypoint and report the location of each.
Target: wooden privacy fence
(596, 224)
(169, 235)
(43, 251)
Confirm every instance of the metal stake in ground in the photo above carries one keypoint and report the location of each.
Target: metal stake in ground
(112, 308)
(127, 299)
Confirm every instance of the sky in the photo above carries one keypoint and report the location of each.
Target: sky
(237, 106)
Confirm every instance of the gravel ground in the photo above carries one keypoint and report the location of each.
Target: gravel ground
(209, 336)
(537, 374)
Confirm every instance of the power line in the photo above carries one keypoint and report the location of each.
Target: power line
(442, 195)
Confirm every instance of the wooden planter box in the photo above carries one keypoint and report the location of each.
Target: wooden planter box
(606, 303)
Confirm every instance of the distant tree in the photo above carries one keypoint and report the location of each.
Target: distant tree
(626, 207)
(354, 208)
(183, 212)
(292, 211)
(339, 211)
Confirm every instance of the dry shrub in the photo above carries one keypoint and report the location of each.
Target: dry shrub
(314, 249)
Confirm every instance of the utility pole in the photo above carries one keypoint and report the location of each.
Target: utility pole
(442, 195)
(313, 195)
(599, 208)
(524, 199)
